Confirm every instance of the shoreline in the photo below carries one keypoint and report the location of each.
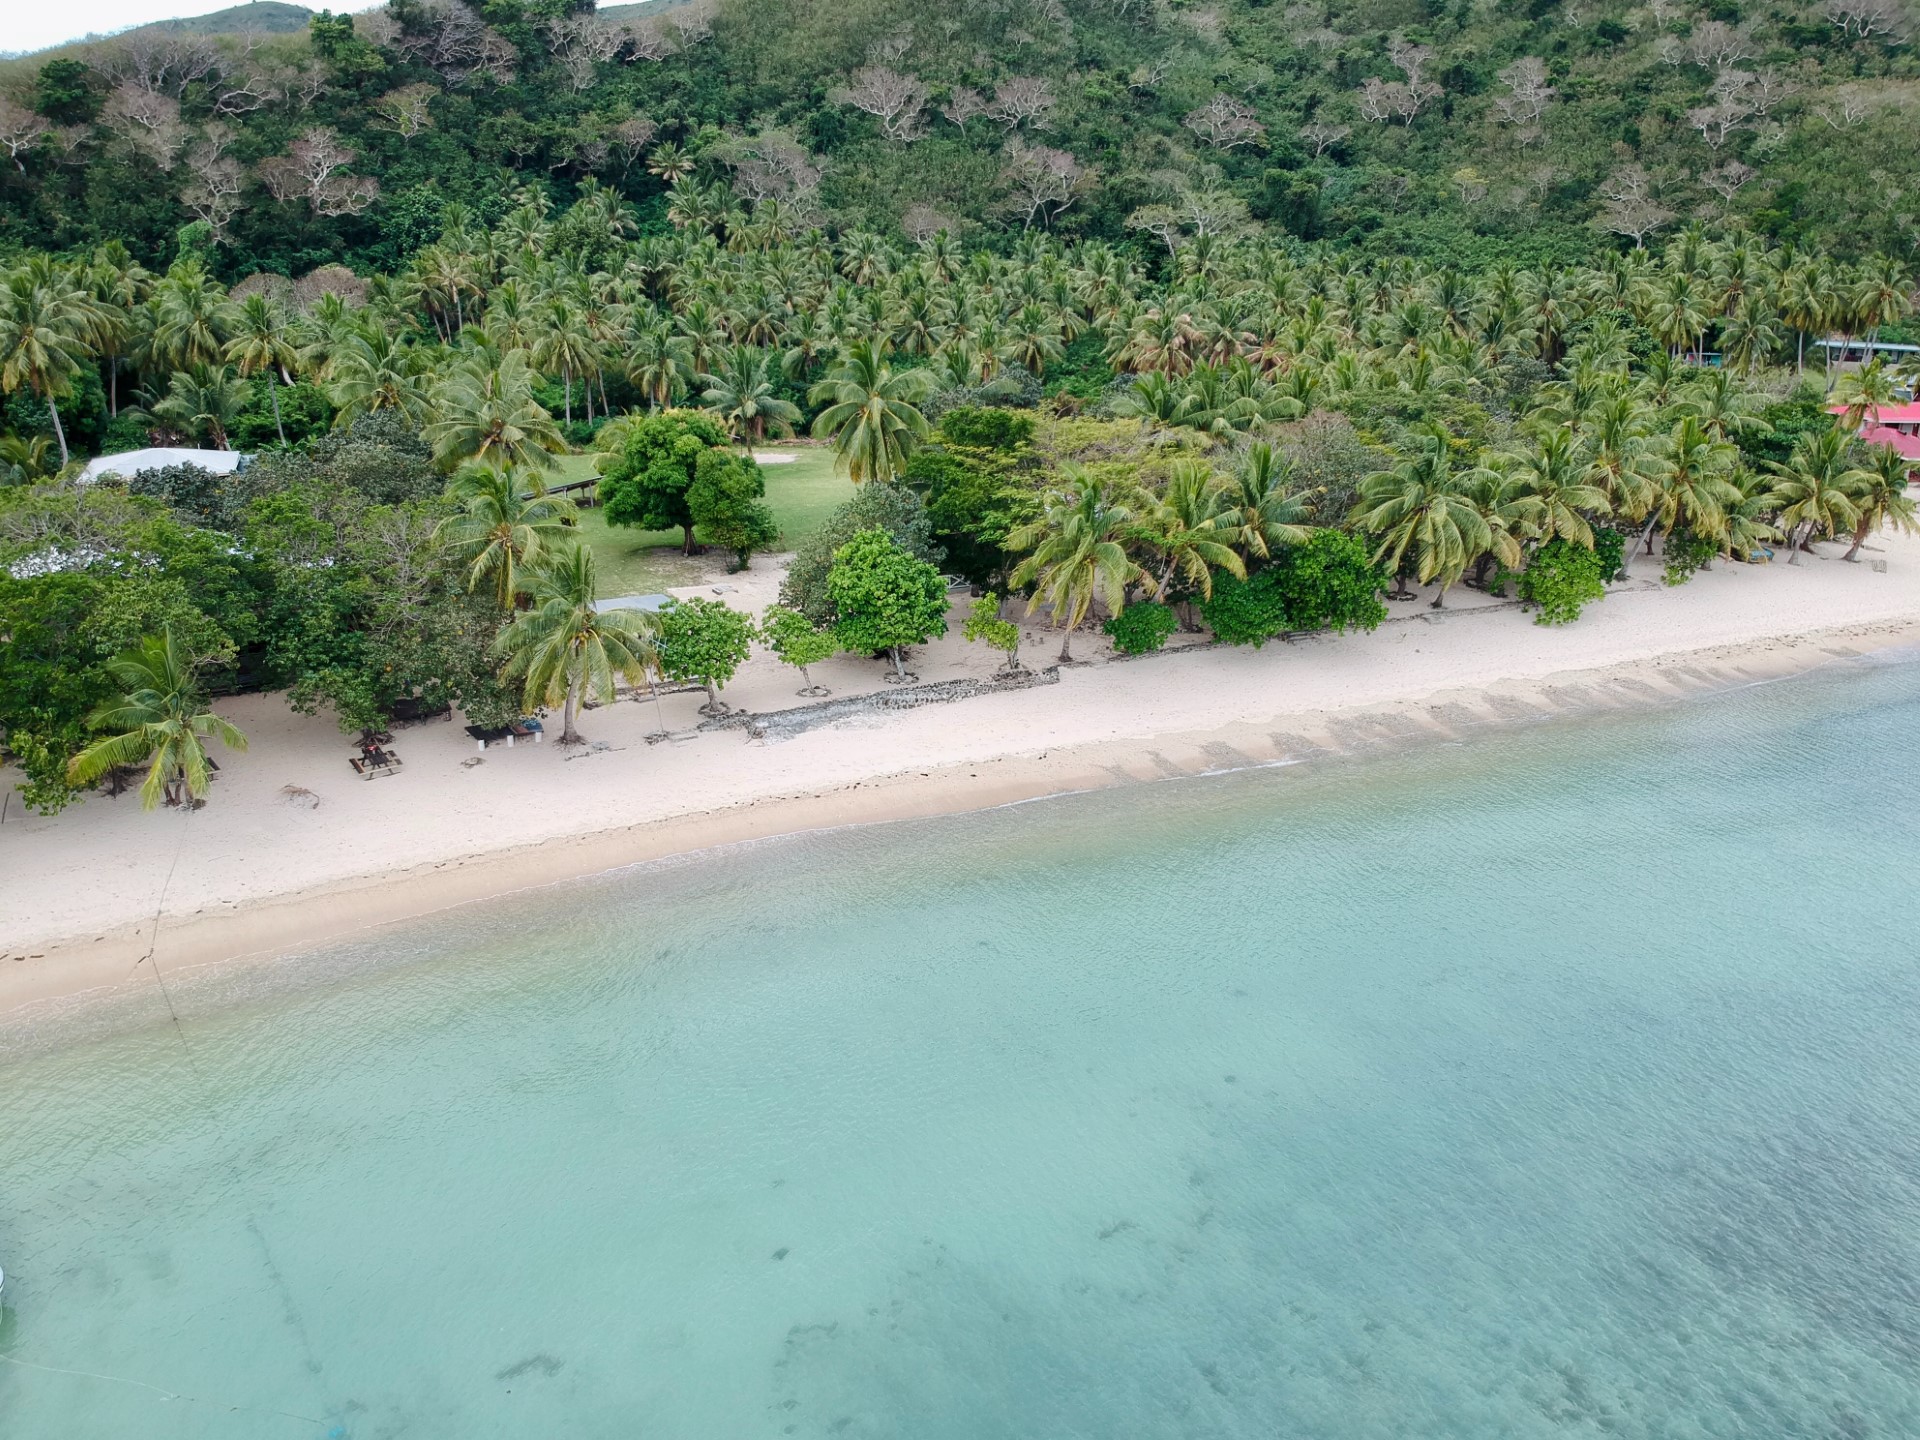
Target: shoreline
(103, 963)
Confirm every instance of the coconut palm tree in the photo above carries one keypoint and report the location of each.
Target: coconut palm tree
(564, 650)
(1864, 393)
(1552, 488)
(1695, 488)
(872, 413)
(262, 344)
(48, 324)
(486, 413)
(161, 721)
(1813, 490)
(1878, 490)
(659, 362)
(501, 531)
(203, 402)
(1425, 514)
(741, 392)
(1268, 513)
(1078, 552)
(191, 316)
(1193, 524)
(370, 370)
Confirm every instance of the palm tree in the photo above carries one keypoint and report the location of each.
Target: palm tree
(161, 721)
(659, 362)
(261, 344)
(370, 370)
(487, 414)
(1879, 492)
(501, 532)
(1864, 392)
(1813, 490)
(1192, 524)
(872, 412)
(47, 328)
(1425, 514)
(565, 649)
(1268, 515)
(203, 402)
(741, 392)
(1078, 553)
(1695, 488)
(1552, 489)
(191, 317)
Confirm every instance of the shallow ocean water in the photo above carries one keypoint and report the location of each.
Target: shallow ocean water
(1559, 1083)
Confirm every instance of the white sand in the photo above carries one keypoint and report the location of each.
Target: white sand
(83, 894)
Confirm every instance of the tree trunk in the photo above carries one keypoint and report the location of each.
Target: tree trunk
(1066, 646)
(899, 666)
(273, 389)
(1860, 534)
(1794, 540)
(113, 387)
(569, 735)
(1439, 601)
(59, 430)
(687, 548)
(568, 379)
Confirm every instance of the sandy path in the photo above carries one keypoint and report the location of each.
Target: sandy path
(261, 868)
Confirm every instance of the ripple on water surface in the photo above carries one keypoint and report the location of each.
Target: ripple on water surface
(1559, 1083)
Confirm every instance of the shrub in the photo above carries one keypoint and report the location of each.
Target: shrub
(1687, 552)
(1560, 578)
(1141, 629)
(1611, 546)
(986, 428)
(1330, 583)
(885, 598)
(1246, 612)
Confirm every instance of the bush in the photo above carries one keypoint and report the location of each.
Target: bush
(885, 598)
(1611, 546)
(1686, 553)
(198, 496)
(1141, 629)
(725, 502)
(1330, 583)
(1246, 612)
(1561, 578)
(986, 428)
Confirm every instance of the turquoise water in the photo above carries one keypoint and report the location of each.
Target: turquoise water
(1561, 1083)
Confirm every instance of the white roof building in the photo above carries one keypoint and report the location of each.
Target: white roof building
(131, 462)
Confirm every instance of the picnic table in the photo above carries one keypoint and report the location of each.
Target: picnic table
(373, 761)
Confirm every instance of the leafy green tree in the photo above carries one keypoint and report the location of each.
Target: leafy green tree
(984, 623)
(67, 91)
(160, 721)
(871, 412)
(704, 642)
(563, 650)
(884, 597)
(646, 482)
(1142, 627)
(798, 643)
(726, 502)
(892, 508)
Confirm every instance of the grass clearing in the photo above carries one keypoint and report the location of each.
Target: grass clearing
(802, 493)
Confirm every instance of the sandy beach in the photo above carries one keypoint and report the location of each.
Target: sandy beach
(294, 850)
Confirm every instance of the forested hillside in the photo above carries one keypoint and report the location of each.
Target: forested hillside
(1465, 132)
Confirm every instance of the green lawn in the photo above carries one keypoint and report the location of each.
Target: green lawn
(643, 562)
